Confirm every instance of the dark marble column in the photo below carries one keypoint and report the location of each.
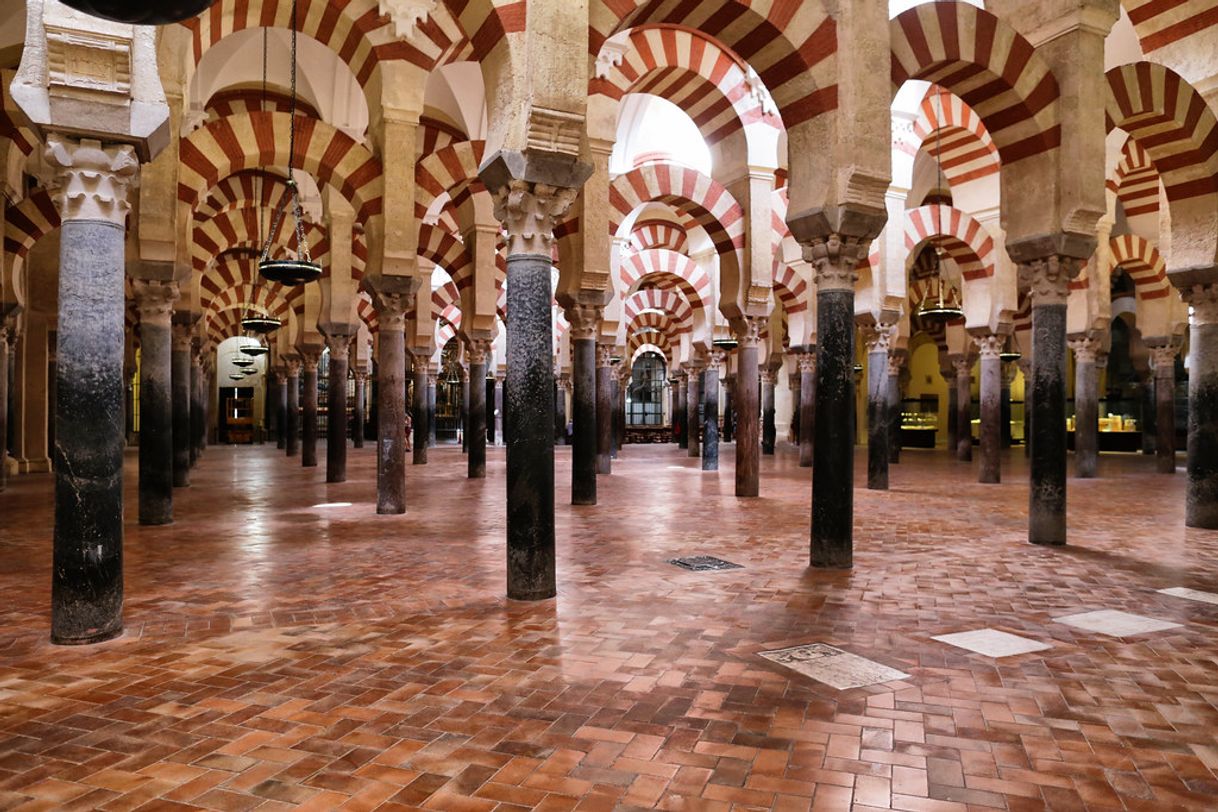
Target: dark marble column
(87, 569)
(604, 409)
(308, 446)
(561, 387)
(1008, 376)
(988, 347)
(769, 428)
(391, 402)
(1086, 407)
(336, 408)
(964, 408)
(498, 426)
(728, 409)
(807, 407)
(270, 407)
(154, 301)
(680, 387)
(359, 415)
(793, 384)
(615, 398)
(431, 410)
(878, 340)
(710, 411)
(953, 409)
(1146, 383)
(1047, 493)
(198, 396)
(1164, 360)
(419, 411)
(180, 388)
(464, 418)
(1202, 491)
(585, 322)
(479, 351)
(281, 409)
(693, 412)
(747, 408)
(896, 359)
(292, 447)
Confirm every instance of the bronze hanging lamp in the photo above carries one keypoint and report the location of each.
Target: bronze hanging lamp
(1010, 349)
(941, 304)
(300, 269)
(141, 12)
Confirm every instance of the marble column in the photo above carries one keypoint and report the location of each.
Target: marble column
(1025, 367)
(896, 359)
(615, 422)
(1146, 382)
(693, 414)
(1202, 489)
(769, 428)
(529, 211)
(180, 388)
(710, 411)
(1008, 377)
(1086, 406)
(336, 408)
(988, 347)
(419, 401)
(431, 409)
(681, 410)
(198, 396)
(308, 446)
(807, 408)
(292, 423)
(90, 190)
(281, 408)
(562, 385)
(1164, 360)
(463, 419)
(499, 437)
(1048, 279)
(748, 408)
(585, 322)
(479, 351)
(953, 408)
(604, 409)
(727, 411)
(154, 302)
(964, 408)
(793, 385)
(391, 402)
(360, 414)
(878, 340)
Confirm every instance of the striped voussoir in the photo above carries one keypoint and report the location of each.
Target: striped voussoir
(790, 288)
(990, 66)
(28, 222)
(668, 302)
(964, 239)
(659, 233)
(438, 246)
(1136, 181)
(667, 269)
(240, 189)
(1159, 23)
(954, 135)
(703, 198)
(250, 226)
(446, 171)
(366, 310)
(1142, 261)
(253, 99)
(14, 125)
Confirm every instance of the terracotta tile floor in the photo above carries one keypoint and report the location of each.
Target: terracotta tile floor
(280, 653)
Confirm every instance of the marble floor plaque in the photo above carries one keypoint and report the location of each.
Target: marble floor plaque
(992, 643)
(1191, 594)
(1115, 623)
(704, 563)
(834, 667)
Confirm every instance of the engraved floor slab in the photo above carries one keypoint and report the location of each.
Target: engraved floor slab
(704, 563)
(1191, 594)
(834, 667)
(992, 642)
(1117, 624)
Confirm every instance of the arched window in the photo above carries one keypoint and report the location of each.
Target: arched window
(645, 398)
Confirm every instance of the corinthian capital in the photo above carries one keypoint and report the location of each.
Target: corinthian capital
(1048, 279)
(154, 300)
(183, 338)
(479, 350)
(750, 336)
(835, 258)
(988, 346)
(807, 362)
(1204, 301)
(585, 320)
(1163, 360)
(391, 311)
(529, 212)
(91, 181)
(1086, 349)
(878, 337)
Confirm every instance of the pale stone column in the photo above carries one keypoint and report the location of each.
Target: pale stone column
(1202, 493)
(807, 408)
(479, 351)
(292, 423)
(391, 402)
(336, 407)
(988, 347)
(585, 322)
(154, 301)
(418, 409)
(281, 408)
(769, 429)
(359, 416)
(431, 408)
(964, 408)
(1086, 406)
(878, 340)
(710, 411)
(308, 450)
(896, 359)
(1163, 359)
(748, 410)
(500, 439)
(604, 408)
(183, 340)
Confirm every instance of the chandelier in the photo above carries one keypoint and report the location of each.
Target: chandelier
(941, 303)
(1010, 349)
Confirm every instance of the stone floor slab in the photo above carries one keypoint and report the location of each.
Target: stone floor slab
(834, 667)
(1116, 623)
(992, 642)
(1191, 594)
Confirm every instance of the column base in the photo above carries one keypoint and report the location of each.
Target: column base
(100, 637)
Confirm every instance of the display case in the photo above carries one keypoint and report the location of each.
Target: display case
(919, 422)
(1120, 427)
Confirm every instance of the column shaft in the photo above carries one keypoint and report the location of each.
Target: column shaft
(710, 414)
(5, 388)
(281, 410)
(604, 411)
(308, 451)
(833, 451)
(1165, 415)
(391, 410)
(431, 411)
(198, 425)
(1086, 413)
(747, 408)
(964, 411)
(693, 412)
(361, 397)
(877, 417)
(1201, 508)
(476, 461)
(584, 428)
(769, 428)
(991, 410)
(292, 447)
(1047, 500)
(894, 409)
(680, 414)
(156, 403)
(807, 409)
(180, 374)
(419, 413)
(336, 409)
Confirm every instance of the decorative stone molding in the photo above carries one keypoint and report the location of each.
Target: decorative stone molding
(612, 52)
(963, 366)
(604, 355)
(82, 63)
(293, 367)
(1163, 361)
(988, 346)
(479, 351)
(585, 320)
(896, 360)
(1203, 299)
(406, 15)
(391, 311)
(807, 362)
(338, 343)
(758, 92)
(750, 336)
(1048, 279)
(1086, 349)
(281, 378)
(835, 259)
(555, 131)
(90, 181)
(154, 300)
(877, 338)
(183, 338)
(310, 359)
(529, 212)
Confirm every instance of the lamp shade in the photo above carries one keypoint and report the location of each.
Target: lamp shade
(141, 12)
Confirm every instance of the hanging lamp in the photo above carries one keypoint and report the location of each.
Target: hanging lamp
(255, 350)
(141, 12)
(239, 360)
(301, 268)
(236, 376)
(1010, 349)
(941, 303)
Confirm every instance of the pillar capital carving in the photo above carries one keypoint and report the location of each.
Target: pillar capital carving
(604, 355)
(750, 335)
(564, 380)
(878, 337)
(1203, 299)
(310, 358)
(1086, 349)
(988, 346)
(529, 212)
(432, 377)
(183, 338)
(1163, 361)
(715, 357)
(154, 300)
(90, 181)
(768, 376)
(835, 259)
(281, 377)
(338, 343)
(360, 374)
(963, 366)
(292, 365)
(478, 351)
(807, 362)
(585, 320)
(896, 360)
(1048, 278)
(391, 311)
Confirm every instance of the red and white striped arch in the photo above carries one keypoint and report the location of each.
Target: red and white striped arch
(1136, 181)
(669, 302)
(1142, 261)
(252, 140)
(1159, 23)
(687, 190)
(28, 222)
(656, 233)
(249, 186)
(242, 227)
(688, 69)
(989, 65)
(667, 269)
(367, 312)
(954, 135)
(652, 327)
(437, 135)
(451, 327)
(964, 239)
(789, 287)
(487, 23)
(13, 122)
(448, 170)
(791, 45)
(236, 282)
(449, 253)
(248, 99)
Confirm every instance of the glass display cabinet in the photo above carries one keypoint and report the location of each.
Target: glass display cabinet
(919, 422)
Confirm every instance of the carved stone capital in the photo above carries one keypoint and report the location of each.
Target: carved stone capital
(90, 181)
(1204, 301)
(1048, 279)
(293, 367)
(604, 355)
(896, 360)
(391, 311)
(715, 357)
(310, 359)
(988, 346)
(478, 351)
(750, 336)
(835, 260)
(154, 300)
(564, 380)
(183, 338)
(1163, 361)
(281, 378)
(360, 374)
(339, 344)
(585, 320)
(768, 377)
(529, 212)
(1086, 349)
(807, 362)
(877, 338)
(963, 366)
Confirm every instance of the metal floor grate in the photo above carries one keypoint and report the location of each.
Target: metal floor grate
(703, 563)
